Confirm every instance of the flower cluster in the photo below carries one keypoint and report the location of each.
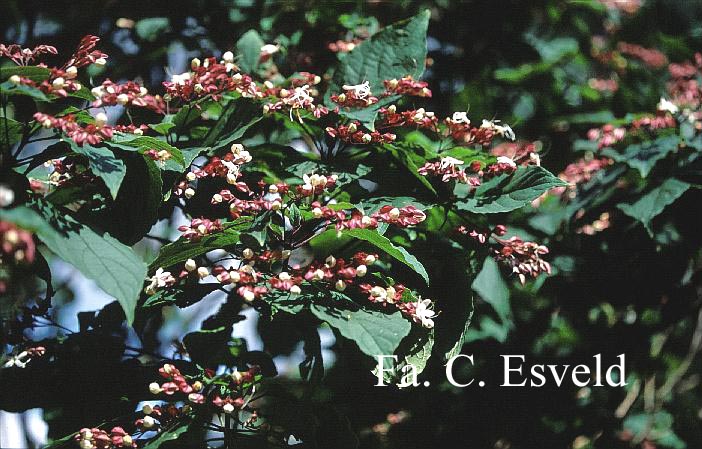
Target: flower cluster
(460, 129)
(353, 134)
(20, 360)
(357, 96)
(25, 56)
(420, 311)
(296, 100)
(198, 228)
(522, 258)
(17, 245)
(92, 133)
(407, 86)
(211, 78)
(413, 117)
(129, 94)
(341, 46)
(606, 136)
(650, 57)
(100, 439)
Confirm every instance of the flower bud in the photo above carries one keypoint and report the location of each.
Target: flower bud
(284, 276)
(147, 409)
(273, 188)
(228, 56)
(366, 138)
(15, 79)
(234, 276)
(217, 198)
(285, 254)
(139, 132)
(100, 119)
(284, 93)
(127, 440)
(317, 212)
(237, 77)
(366, 220)
(295, 290)
(231, 178)
(248, 253)
(86, 444)
(148, 422)
(331, 261)
(195, 63)
(203, 272)
(370, 259)
(123, 99)
(58, 83)
(189, 193)
(249, 296)
(228, 408)
(190, 265)
(341, 98)
(100, 61)
(155, 388)
(361, 270)
(276, 205)
(191, 176)
(392, 109)
(353, 128)
(340, 285)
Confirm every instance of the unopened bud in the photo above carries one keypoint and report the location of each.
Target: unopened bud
(217, 198)
(147, 409)
(247, 253)
(317, 212)
(100, 61)
(155, 388)
(122, 99)
(228, 56)
(249, 296)
(100, 119)
(273, 188)
(361, 270)
(228, 408)
(341, 98)
(366, 138)
(15, 79)
(340, 285)
(148, 422)
(191, 176)
(195, 63)
(331, 261)
(394, 213)
(190, 265)
(370, 259)
(189, 193)
(353, 128)
(203, 272)
(295, 290)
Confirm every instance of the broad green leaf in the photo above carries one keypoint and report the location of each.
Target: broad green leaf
(644, 156)
(8, 88)
(412, 157)
(114, 267)
(249, 48)
(238, 116)
(151, 28)
(169, 434)
(374, 332)
(384, 244)
(34, 73)
(654, 202)
(492, 288)
(394, 52)
(506, 193)
(104, 164)
(10, 132)
(182, 249)
(145, 143)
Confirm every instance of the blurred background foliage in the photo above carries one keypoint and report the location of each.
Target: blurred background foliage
(551, 69)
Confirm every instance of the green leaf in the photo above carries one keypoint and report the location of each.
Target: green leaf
(114, 267)
(249, 48)
(182, 249)
(384, 244)
(492, 288)
(34, 73)
(506, 193)
(145, 143)
(104, 164)
(412, 157)
(7, 88)
(151, 28)
(170, 434)
(654, 202)
(238, 116)
(644, 156)
(394, 52)
(10, 132)
(374, 332)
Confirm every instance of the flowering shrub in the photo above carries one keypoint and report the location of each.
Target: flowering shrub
(326, 199)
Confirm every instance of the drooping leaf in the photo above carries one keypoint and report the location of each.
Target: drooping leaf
(644, 156)
(492, 288)
(103, 163)
(182, 249)
(238, 116)
(654, 202)
(169, 434)
(374, 332)
(113, 266)
(384, 244)
(505, 193)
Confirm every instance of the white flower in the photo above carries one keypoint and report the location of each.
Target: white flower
(360, 91)
(269, 49)
(506, 160)
(424, 313)
(449, 162)
(667, 106)
(228, 56)
(180, 79)
(460, 117)
(158, 280)
(100, 119)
